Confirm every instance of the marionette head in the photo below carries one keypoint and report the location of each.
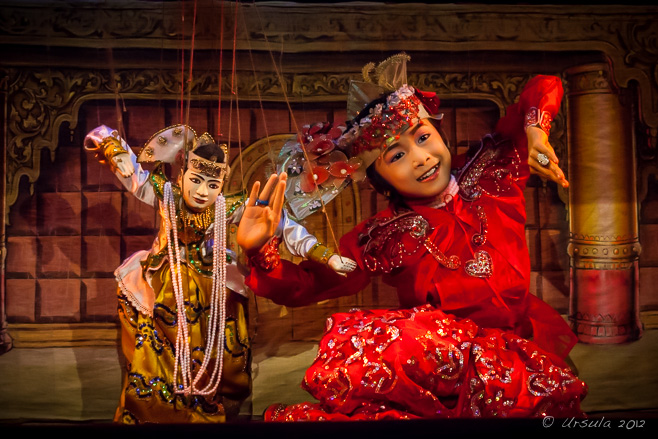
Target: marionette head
(204, 162)
(204, 174)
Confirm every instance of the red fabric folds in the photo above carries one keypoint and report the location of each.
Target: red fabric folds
(460, 344)
(423, 363)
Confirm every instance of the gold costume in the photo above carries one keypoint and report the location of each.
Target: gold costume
(148, 343)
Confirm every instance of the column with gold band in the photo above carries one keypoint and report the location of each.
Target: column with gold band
(604, 241)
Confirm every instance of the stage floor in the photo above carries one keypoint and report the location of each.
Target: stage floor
(80, 386)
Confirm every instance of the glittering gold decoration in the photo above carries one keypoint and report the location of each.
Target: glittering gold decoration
(198, 220)
(207, 167)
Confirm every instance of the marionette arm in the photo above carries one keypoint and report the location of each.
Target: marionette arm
(113, 150)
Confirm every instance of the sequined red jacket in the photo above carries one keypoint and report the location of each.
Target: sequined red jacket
(469, 258)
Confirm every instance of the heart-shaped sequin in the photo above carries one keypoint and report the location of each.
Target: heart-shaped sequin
(481, 266)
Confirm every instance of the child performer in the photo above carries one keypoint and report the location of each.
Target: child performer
(173, 372)
(453, 243)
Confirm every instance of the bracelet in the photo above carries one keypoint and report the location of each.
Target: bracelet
(268, 257)
(320, 253)
(538, 118)
(111, 147)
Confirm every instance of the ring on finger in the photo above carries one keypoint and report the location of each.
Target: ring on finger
(260, 202)
(542, 159)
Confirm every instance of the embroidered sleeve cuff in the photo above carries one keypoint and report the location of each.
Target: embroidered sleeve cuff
(535, 117)
(268, 257)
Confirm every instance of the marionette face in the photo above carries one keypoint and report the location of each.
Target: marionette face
(417, 166)
(200, 185)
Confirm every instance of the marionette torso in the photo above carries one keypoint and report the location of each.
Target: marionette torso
(154, 389)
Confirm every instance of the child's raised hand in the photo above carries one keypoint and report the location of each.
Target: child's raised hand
(541, 157)
(262, 213)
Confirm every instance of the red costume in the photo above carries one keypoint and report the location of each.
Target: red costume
(459, 346)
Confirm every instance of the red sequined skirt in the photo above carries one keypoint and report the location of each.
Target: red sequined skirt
(423, 363)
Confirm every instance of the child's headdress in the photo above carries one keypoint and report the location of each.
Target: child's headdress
(323, 159)
(381, 108)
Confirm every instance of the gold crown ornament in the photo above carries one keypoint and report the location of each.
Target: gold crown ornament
(210, 167)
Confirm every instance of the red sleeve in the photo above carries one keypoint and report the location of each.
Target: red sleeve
(309, 282)
(543, 93)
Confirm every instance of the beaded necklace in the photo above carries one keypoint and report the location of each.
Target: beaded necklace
(217, 318)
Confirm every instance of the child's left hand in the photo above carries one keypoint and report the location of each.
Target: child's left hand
(541, 157)
(341, 264)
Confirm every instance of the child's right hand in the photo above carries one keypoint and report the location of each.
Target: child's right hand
(262, 213)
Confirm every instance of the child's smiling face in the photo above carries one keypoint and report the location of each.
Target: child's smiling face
(418, 164)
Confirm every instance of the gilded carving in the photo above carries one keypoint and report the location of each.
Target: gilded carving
(40, 100)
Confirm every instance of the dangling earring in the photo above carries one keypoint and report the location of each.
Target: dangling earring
(387, 194)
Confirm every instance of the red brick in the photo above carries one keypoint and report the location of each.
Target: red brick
(648, 290)
(101, 253)
(474, 123)
(531, 208)
(552, 212)
(555, 289)
(132, 244)
(142, 121)
(60, 298)
(59, 255)
(277, 121)
(20, 300)
(137, 215)
(62, 175)
(99, 175)
(532, 238)
(22, 255)
(239, 132)
(535, 280)
(99, 113)
(23, 214)
(340, 115)
(59, 213)
(101, 297)
(649, 242)
(102, 213)
(554, 250)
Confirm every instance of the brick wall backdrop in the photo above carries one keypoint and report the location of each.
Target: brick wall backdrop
(68, 233)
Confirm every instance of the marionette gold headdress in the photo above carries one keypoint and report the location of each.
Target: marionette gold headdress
(169, 144)
(210, 165)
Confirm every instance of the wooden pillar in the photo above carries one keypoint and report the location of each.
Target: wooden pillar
(604, 241)
(5, 339)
